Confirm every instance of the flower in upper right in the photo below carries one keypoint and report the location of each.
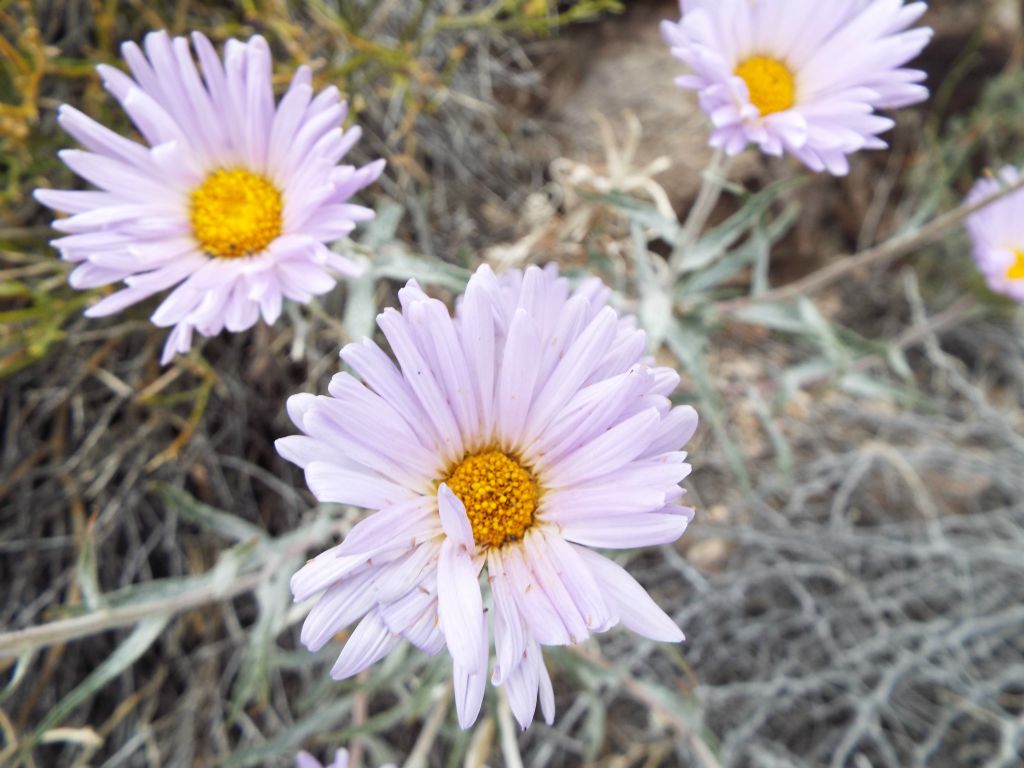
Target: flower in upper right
(802, 77)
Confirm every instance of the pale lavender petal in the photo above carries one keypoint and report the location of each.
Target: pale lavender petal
(323, 571)
(341, 604)
(546, 691)
(459, 603)
(453, 518)
(549, 579)
(476, 331)
(517, 378)
(597, 614)
(382, 376)
(421, 380)
(522, 685)
(469, 679)
(509, 633)
(345, 486)
(529, 680)
(573, 370)
(626, 531)
(637, 610)
(674, 431)
(536, 609)
(369, 642)
(613, 449)
(405, 524)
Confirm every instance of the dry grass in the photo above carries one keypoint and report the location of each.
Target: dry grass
(851, 589)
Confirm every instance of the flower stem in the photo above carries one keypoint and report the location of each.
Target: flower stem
(712, 182)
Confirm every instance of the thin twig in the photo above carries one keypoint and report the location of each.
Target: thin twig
(950, 367)
(895, 247)
(916, 334)
(360, 709)
(712, 181)
(14, 643)
(480, 745)
(425, 741)
(207, 591)
(509, 736)
(643, 693)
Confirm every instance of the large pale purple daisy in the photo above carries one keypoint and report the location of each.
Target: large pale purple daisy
(997, 234)
(232, 201)
(800, 76)
(509, 439)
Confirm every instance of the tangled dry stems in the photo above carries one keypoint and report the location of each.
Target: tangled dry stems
(862, 609)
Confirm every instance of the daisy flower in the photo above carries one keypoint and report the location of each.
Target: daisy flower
(231, 202)
(509, 439)
(800, 76)
(997, 234)
(306, 760)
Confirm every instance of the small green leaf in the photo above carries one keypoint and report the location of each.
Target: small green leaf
(227, 525)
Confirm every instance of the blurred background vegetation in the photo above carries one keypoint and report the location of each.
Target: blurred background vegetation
(852, 587)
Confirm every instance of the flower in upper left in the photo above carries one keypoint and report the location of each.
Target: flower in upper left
(231, 205)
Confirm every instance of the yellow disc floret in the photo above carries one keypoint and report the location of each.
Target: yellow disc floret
(235, 213)
(1016, 270)
(499, 494)
(770, 82)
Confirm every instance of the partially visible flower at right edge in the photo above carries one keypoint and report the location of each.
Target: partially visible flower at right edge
(997, 234)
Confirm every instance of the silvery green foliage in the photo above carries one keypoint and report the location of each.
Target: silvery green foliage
(852, 596)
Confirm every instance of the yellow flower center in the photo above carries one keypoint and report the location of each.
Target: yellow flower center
(499, 494)
(770, 82)
(235, 213)
(1016, 270)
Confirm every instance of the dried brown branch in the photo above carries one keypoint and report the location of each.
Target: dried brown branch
(893, 248)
